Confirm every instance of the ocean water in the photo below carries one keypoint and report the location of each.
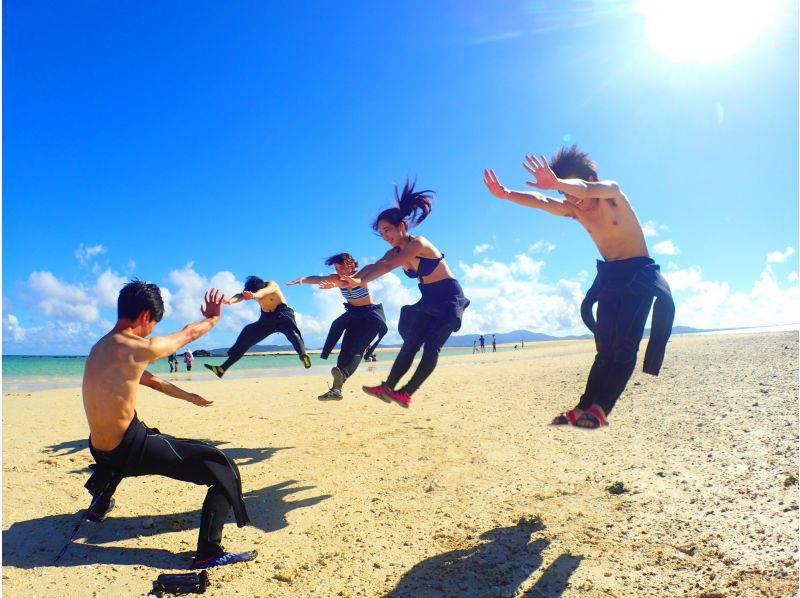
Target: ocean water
(39, 372)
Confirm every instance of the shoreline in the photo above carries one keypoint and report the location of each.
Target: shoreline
(27, 384)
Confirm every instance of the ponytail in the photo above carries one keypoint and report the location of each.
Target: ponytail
(412, 206)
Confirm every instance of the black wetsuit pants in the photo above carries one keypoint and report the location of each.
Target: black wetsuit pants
(426, 330)
(621, 317)
(281, 320)
(179, 459)
(356, 339)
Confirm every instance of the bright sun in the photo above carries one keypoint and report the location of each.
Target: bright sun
(706, 30)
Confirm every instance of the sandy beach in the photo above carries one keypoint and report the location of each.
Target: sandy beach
(467, 493)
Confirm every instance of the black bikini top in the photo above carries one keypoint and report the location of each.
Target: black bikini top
(426, 267)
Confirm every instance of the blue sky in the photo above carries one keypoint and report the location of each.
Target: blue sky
(196, 143)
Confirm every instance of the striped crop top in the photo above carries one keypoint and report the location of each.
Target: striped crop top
(351, 294)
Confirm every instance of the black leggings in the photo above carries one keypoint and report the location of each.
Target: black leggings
(426, 330)
(357, 337)
(621, 317)
(179, 459)
(281, 320)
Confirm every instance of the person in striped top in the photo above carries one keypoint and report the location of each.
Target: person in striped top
(361, 322)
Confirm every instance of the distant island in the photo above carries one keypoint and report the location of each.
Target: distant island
(464, 340)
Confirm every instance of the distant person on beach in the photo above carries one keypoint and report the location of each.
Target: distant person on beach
(361, 322)
(431, 320)
(627, 278)
(483, 343)
(276, 316)
(494, 344)
(171, 361)
(474, 346)
(188, 358)
(122, 446)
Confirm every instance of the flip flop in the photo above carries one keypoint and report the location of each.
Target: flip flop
(568, 418)
(594, 417)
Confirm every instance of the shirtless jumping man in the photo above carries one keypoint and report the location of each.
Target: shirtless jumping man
(276, 316)
(627, 278)
(123, 446)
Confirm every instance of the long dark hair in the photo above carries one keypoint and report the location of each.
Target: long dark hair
(412, 206)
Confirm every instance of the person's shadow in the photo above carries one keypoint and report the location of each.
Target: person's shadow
(242, 456)
(36, 542)
(497, 566)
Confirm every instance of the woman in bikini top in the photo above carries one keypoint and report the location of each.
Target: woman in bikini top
(432, 320)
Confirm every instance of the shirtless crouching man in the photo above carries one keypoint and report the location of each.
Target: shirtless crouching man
(276, 316)
(627, 278)
(123, 446)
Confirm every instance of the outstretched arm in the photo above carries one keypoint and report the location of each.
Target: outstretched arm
(237, 298)
(311, 280)
(530, 199)
(578, 188)
(161, 346)
(171, 390)
(391, 260)
(272, 287)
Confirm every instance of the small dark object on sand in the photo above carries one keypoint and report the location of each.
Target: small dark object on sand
(616, 488)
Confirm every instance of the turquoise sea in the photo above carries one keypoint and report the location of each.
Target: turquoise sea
(38, 372)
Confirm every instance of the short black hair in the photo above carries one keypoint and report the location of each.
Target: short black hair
(570, 162)
(253, 284)
(138, 296)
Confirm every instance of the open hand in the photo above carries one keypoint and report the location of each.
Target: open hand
(349, 281)
(545, 177)
(213, 304)
(198, 400)
(493, 184)
(294, 282)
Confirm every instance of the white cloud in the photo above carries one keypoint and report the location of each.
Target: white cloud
(512, 296)
(482, 248)
(652, 229)
(62, 300)
(666, 248)
(107, 288)
(777, 257)
(16, 333)
(541, 247)
(710, 304)
(84, 255)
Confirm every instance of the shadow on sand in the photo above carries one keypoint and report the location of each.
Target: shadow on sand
(36, 542)
(496, 567)
(242, 456)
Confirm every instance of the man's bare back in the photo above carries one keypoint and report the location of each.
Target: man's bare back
(117, 364)
(110, 384)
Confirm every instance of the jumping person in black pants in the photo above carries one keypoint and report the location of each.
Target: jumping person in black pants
(124, 447)
(361, 322)
(276, 316)
(431, 320)
(626, 283)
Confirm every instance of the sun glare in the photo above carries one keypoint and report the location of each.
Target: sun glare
(706, 30)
